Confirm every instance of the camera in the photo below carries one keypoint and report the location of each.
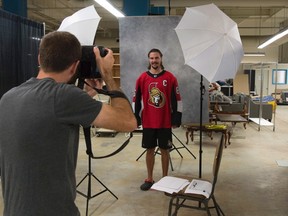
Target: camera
(88, 67)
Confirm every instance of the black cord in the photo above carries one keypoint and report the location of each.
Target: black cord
(87, 134)
(89, 150)
(117, 151)
(112, 94)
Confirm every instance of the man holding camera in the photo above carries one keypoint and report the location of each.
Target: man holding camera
(40, 129)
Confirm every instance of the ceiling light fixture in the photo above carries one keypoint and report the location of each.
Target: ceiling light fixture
(274, 38)
(109, 7)
(254, 54)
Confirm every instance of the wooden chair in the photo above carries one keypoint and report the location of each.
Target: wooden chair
(197, 201)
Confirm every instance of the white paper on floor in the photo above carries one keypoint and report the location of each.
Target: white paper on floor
(283, 163)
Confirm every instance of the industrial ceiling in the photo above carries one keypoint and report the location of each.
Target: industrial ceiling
(255, 18)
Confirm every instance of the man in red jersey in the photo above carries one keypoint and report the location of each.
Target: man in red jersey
(158, 107)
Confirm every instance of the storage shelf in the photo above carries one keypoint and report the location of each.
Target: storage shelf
(116, 68)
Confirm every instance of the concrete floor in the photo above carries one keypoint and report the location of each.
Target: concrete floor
(250, 182)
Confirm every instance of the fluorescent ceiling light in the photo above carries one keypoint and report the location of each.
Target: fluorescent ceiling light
(274, 38)
(254, 54)
(108, 6)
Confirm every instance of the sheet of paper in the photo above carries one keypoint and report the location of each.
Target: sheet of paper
(262, 121)
(170, 184)
(198, 186)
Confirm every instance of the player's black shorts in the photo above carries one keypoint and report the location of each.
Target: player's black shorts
(157, 137)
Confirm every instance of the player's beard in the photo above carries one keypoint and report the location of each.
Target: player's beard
(155, 66)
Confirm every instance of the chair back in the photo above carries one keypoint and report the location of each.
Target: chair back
(217, 162)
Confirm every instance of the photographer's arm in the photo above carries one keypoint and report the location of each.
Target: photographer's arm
(118, 115)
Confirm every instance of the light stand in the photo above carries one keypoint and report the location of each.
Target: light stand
(89, 174)
(87, 135)
(202, 92)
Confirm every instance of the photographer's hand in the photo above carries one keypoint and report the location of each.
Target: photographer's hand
(93, 83)
(118, 115)
(105, 65)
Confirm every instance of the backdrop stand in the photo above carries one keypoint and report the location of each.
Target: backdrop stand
(173, 148)
(183, 146)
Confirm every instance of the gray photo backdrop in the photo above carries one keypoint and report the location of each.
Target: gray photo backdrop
(138, 35)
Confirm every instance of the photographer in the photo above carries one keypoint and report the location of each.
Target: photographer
(40, 129)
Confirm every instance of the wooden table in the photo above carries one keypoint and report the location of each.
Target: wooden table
(190, 128)
(233, 118)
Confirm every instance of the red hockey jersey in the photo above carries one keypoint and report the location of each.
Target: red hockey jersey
(157, 101)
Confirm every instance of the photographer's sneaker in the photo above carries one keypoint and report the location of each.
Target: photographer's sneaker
(146, 185)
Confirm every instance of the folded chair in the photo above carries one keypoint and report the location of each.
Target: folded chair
(198, 201)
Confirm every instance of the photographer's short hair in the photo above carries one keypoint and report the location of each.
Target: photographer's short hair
(58, 51)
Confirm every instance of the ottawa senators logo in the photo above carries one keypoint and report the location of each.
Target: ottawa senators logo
(156, 97)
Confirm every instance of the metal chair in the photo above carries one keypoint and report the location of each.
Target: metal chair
(197, 201)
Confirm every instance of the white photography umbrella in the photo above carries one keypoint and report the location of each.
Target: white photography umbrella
(210, 42)
(83, 24)
(211, 45)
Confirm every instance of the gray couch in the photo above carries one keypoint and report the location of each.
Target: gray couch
(254, 109)
(234, 108)
(237, 105)
(243, 105)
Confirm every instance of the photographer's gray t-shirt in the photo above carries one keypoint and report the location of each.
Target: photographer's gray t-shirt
(39, 124)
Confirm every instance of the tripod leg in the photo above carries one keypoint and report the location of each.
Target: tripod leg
(141, 155)
(184, 145)
(82, 179)
(175, 148)
(89, 152)
(88, 191)
(171, 164)
(88, 196)
(87, 206)
(105, 186)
